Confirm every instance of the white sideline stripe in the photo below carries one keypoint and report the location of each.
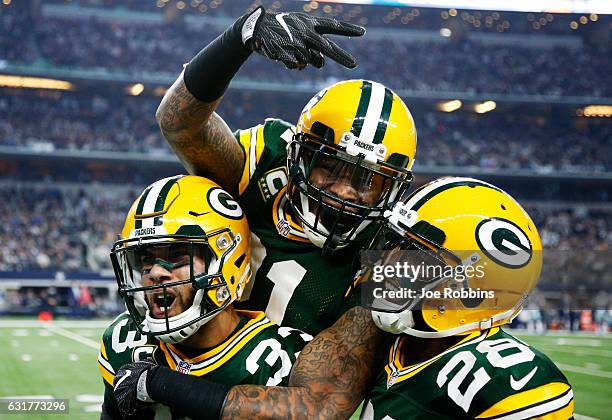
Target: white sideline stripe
(584, 371)
(68, 334)
(580, 352)
(89, 398)
(562, 334)
(581, 417)
(96, 408)
(578, 342)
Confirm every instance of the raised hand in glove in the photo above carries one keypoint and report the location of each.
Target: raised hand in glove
(296, 39)
(130, 387)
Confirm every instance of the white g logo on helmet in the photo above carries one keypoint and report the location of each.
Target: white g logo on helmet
(504, 242)
(223, 203)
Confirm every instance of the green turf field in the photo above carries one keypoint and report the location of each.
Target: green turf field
(59, 360)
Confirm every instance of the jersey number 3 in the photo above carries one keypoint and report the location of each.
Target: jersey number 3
(276, 353)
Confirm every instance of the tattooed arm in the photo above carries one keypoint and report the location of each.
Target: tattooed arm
(329, 379)
(200, 138)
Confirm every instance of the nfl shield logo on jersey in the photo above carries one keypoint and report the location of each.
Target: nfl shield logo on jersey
(283, 227)
(183, 367)
(392, 379)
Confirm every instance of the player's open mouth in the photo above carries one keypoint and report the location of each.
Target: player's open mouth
(163, 303)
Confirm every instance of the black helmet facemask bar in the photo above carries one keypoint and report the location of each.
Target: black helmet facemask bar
(124, 263)
(393, 246)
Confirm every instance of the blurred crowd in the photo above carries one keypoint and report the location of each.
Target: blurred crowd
(492, 141)
(48, 228)
(402, 63)
(72, 229)
(368, 15)
(578, 228)
(507, 141)
(80, 123)
(44, 228)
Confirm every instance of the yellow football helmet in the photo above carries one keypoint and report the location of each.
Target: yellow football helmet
(171, 223)
(487, 250)
(349, 160)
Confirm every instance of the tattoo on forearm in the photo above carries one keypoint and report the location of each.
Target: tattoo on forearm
(263, 402)
(200, 138)
(329, 379)
(179, 110)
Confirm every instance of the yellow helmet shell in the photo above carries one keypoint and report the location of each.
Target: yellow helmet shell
(479, 221)
(195, 208)
(367, 109)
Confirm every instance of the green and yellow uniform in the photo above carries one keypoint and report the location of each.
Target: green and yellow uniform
(293, 283)
(257, 352)
(487, 375)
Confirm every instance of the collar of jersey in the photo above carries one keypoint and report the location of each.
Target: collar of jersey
(401, 373)
(282, 210)
(212, 358)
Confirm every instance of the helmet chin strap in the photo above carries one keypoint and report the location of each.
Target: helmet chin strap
(317, 239)
(191, 313)
(331, 244)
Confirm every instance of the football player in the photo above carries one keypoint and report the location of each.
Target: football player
(452, 358)
(315, 186)
(182, 259)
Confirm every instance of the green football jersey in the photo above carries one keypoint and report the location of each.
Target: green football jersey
(257, 352)
(487, 375)
(293, 283)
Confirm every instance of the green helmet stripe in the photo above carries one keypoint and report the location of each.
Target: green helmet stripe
(161, 197)
(362, 108)
(384, 117)
(153, 200)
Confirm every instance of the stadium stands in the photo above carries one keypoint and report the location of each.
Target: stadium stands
(83, 122)
(72, 228)
(57, 228)
(371, 16)
(67, 229)
(468, 64)
(465, 66)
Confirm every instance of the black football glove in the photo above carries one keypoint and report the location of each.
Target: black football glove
(296, 39)
(130, 387)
